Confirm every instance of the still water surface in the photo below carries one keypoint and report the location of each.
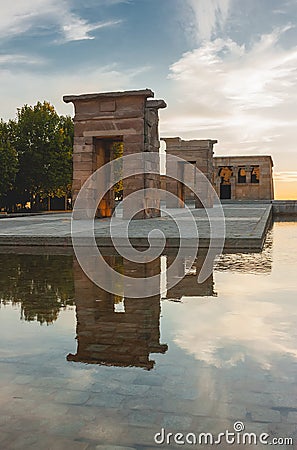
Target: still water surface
(83, 369)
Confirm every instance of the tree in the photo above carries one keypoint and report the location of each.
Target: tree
(43, 141)
(42, 285)
(8, 163)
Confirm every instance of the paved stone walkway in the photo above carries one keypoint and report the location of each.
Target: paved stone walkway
(246, 227)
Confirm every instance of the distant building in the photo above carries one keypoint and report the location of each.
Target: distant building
(233, 177)
(244, 177)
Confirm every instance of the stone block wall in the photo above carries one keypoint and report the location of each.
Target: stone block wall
(103, 118)
(263, 190)
(285, 207)
(200, 154)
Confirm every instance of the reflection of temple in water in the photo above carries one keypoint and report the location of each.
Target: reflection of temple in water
(118, 331)
(188, 285)
(112, 330)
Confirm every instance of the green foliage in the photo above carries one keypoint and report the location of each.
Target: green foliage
(42, 285)
(8, 162)
(43, 141)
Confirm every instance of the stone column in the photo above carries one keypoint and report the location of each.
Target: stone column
(83, 160)
(248, 171)
(233, 182)
(152, 145)
(218, 185)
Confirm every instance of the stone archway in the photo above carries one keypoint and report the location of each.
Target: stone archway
(198, 153)
(103, 118)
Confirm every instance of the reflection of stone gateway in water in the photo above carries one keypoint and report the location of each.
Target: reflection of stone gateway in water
(124, 338)
(115, 338)
(188, 284)
(127, 337)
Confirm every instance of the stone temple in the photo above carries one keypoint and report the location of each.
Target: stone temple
(100, 121)
(131, 119)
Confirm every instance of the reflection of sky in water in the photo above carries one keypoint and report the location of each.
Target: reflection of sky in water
(230, 357)
(253, 317)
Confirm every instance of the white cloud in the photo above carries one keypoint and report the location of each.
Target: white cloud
(245, 97)
(287, 177)
(209, 15)
(24, 87)
(11, 59)
(20, 16)
(112, 2)
(78, 29)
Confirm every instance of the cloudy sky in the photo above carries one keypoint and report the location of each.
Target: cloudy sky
(226, 68)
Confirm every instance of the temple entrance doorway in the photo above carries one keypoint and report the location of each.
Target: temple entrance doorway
(225, 192)
(107, 150)
(225, 174)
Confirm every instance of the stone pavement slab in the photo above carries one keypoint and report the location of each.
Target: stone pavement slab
(246, 227)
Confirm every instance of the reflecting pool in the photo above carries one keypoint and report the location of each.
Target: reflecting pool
(84, 369)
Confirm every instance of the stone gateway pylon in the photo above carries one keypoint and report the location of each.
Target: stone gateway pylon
(101, 120)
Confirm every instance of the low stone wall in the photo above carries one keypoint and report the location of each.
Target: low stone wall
(284, 207)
